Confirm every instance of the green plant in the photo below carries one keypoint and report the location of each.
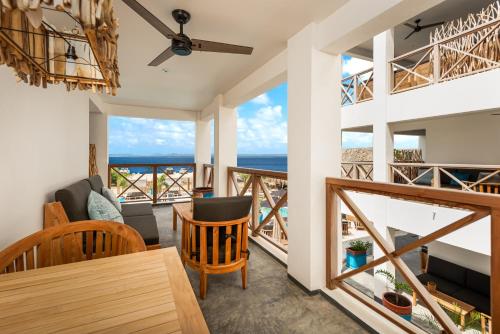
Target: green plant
(399, 286)
(359, 245)
(473, 321)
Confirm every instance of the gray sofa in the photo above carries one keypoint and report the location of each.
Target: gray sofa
(137, 215)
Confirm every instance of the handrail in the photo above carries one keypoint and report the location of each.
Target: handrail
(480, 206)
(271, 226)
(478, 178)
(355, 89)
(156, 189)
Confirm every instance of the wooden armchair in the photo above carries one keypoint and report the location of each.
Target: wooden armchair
(215, 237)
(69, 243)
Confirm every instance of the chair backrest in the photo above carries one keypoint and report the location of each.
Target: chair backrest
(69, 243)
(221, 208)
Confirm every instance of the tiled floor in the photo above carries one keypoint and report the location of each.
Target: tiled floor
(271, 303)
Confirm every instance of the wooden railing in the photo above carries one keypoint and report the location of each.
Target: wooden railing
(208, 175)
(357, 88)
(357, 170)
(471, 51)
(472, 178)
(157, 183)
(269, 207)
(478, 205)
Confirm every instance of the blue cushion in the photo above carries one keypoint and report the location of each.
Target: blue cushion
(462, 176)
(101, 209)
(110, 196)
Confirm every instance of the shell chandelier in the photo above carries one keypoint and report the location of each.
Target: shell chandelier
(54, 41)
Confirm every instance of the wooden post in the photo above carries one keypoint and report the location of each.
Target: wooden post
(436, 179)
(155, 184)
(332, 223)
(495, 269)
(194, 176)
(255, 204)
(436, 68)
(109, 176)
(355, 97)
(229, 183)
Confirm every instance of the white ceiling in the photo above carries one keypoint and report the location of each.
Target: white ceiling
(192, 82)
(446, 11)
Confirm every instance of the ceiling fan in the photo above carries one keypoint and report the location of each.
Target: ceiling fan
(182, 45)
(417, 27)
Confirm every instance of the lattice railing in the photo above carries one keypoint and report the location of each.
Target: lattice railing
(358, 170)
(157, 183)
(269, 206)
(208, 175)
(357, 88)
(471, 178)
(463, 50)
(477, 206)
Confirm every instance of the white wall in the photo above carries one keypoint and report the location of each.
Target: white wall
(465, 139)
(98, 135)
(472, 260)
(45, 137)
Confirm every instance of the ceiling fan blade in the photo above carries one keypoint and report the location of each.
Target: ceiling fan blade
(162, 57)
(432, 25)
(150, 18)
(410, 34)
(410, 25)
(208, 46)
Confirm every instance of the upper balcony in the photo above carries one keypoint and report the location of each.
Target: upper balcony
(453, 71)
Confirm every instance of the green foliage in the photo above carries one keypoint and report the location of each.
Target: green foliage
(118, 180)
(399, 286)
(473, 321)
(359, 245)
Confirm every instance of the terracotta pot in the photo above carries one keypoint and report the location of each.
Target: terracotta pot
(403, 309)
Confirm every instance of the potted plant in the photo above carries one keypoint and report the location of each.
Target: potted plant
(396, 301)
(356, 253)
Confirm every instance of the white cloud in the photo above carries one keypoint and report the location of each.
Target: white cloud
(261, 99)
(266, 130)
(352, 66)
(357, 139)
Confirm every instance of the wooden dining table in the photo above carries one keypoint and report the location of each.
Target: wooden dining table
(147, 292)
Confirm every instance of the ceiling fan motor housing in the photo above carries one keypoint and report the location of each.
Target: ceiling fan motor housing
(181, 45)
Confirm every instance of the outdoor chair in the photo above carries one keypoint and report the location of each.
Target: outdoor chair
(215, 240)
(69, 243)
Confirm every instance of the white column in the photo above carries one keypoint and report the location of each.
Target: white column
(314, 152)
(98, 135)
(225, 145)
(202, 148)
(383, 142)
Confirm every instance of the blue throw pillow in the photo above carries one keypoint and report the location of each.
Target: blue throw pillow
(100, 208)
(110, 196)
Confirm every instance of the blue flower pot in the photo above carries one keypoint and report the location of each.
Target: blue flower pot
(207, 192)
(355, 259)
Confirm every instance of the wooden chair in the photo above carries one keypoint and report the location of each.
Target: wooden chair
(65, 244)
(216, 247)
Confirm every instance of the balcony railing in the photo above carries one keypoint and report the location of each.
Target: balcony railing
(472, 178)
(357, 88)
(477, 206)
(269, 209)
(450, 56)
(208, 175)
(357, 170)
(157, 183)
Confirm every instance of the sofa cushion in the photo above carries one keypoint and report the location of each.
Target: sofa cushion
(478, 282)
(442, 285)
(110, 196)
(137, 209)
(447, 270)
(479, 301)
(146, 226)
(221, 208)
(96, 183)
(101, 209)
(74, 200)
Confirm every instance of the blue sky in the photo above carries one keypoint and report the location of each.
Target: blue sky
(262, 127)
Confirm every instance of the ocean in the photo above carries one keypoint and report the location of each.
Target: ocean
(269, 162)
